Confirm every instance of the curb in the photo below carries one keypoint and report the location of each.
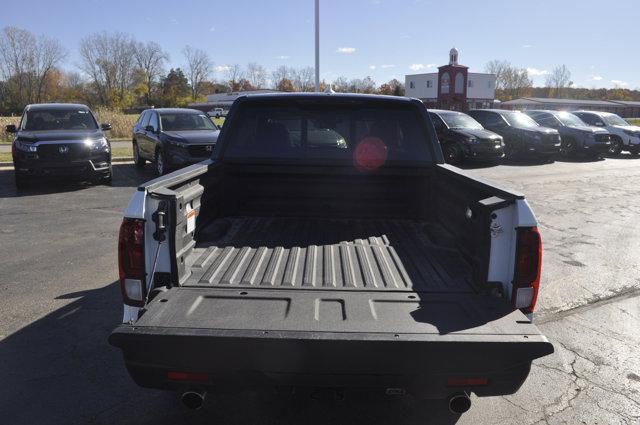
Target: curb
(117, 159)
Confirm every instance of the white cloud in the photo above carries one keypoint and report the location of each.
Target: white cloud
(596, 77)
(372, 67)
(534, 72)
(346, 50)
(212, 29)
(387, 65)
(283, 57)
(222, 68)
(419, 66)
(620, 83)
(527, 46)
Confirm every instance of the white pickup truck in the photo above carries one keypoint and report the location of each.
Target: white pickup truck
(327, 245)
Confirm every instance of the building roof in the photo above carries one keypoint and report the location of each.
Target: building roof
(552, 101)
(627, 102)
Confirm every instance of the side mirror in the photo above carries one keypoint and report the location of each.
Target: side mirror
(11, 128)
(150, 129)
(105, 127)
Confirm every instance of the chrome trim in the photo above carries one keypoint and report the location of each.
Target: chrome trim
(65, 142)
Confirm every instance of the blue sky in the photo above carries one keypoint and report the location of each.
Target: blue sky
(382, 38)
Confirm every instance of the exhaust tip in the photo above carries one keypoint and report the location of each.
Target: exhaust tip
(193, 399)
(459, 403)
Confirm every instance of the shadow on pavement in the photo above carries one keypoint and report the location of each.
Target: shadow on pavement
(60, 369)
(124, 175)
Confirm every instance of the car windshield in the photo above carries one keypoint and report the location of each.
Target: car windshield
(569, 119)
(181, 121)
(613, 119)
(518, 119)
(461, 121)
(59, 119)
(368, 137)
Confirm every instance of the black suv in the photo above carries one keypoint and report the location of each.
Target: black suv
(173, 138)
(462, 137)
(60, 139)
(577, 137)
(522, 135)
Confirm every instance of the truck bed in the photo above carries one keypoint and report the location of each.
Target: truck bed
(313, 253)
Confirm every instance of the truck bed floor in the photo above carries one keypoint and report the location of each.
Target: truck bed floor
(279, 252)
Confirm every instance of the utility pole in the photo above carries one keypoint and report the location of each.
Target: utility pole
(317, 45)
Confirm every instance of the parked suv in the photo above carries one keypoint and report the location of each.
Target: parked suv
(577, 137)
(462, 137)
(522, 135)
(625, 137)
(60, 139)
(173, 138)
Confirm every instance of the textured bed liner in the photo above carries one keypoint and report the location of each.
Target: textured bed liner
(286, 252)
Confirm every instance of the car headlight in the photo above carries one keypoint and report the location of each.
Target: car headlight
(590, 136)
(537, 137)
(25, 147)
(98, 145)
(471, 140)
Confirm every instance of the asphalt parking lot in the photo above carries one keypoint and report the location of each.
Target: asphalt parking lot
(59, 299)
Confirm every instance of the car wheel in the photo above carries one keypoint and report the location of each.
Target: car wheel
(616, 147)
(452, 153)
(509, 151)
(137, 159)
(161, 163)
(568, 147)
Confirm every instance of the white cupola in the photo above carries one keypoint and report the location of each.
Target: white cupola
(453, 56)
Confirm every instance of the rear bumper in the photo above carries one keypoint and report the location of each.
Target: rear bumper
(422, 365)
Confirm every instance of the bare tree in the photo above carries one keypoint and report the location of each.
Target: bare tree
(303, 79)
(499, 69)
(558, 79)
(199, 68)
(109, 61)
(279, 74)
(517, 81)
(257, 75)
(26, 62)
(150, 59)
(234, 74)
(341, 85)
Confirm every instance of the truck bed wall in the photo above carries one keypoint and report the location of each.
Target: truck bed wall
(447, 201)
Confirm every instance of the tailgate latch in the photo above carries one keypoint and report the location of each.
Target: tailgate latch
(160, 219)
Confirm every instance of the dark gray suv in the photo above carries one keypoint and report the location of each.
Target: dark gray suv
(577, 136)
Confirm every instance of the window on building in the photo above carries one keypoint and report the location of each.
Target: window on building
(445, 81)
(489, 85)
(429, 83)
(411, 85)
(470, 83)
(459, 83)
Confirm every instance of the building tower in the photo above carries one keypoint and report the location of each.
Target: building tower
(452, 84)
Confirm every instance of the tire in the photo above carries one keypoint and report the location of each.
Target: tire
(635, 152)
(567, 148)
(616, 146)
(160, 163)
(137, 159)
(509, 151)
(452, 153)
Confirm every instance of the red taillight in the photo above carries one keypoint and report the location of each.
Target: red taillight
(526, 279)
(131, 262)
(467, 382)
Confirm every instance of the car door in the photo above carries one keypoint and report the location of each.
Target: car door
(138, 132)
(152, 135)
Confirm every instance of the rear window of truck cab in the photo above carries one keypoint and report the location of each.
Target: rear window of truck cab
(368, 136)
